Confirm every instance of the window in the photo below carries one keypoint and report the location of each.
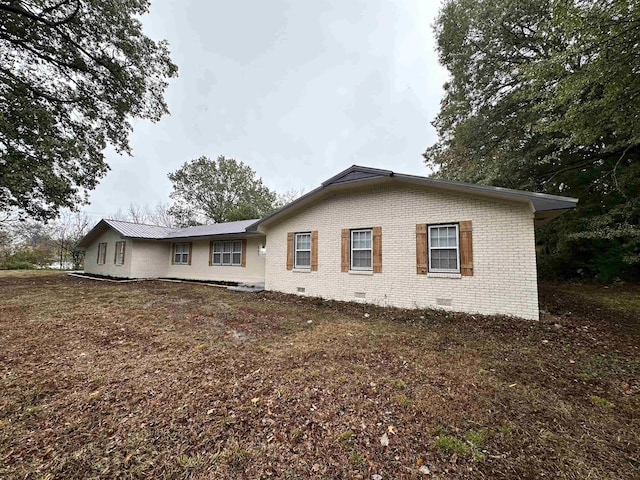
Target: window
(444, 251)
(102, 253)
(227, 252)
(361, 249)
(119, 257)
(302, 250)
(181, 252)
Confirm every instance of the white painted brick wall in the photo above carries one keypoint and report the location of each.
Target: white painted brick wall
(110, 237)
(504, 279)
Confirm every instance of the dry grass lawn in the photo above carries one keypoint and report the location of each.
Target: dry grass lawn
(171, 380)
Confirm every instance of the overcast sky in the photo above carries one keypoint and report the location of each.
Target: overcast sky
(298, 90)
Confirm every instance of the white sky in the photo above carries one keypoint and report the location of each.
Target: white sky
(298, 90)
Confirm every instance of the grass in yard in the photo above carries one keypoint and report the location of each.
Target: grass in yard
(170, 380)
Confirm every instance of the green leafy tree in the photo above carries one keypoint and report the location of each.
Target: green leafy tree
(544, 95)
(222, 190)
(73, 74)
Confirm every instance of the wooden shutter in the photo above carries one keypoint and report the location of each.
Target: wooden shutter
(466, 248)
(421, 249)
(344, 265)
(314, 251)
(115, 253)
(99, 248)
(211, 253)
(190, 249)
(173, 254)
(244, 253)
(377, 249)
(290, 251)
(124, 247)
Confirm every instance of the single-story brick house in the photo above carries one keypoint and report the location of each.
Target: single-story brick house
(367, 235)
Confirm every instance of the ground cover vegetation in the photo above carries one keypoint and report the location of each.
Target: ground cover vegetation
(176, 380)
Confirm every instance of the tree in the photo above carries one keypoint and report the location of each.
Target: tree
(221, 190)
(67, 231)
(143, 214)
(544, 95)
(73, 74)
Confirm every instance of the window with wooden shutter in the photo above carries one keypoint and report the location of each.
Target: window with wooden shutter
(421, 249)
(290, 251)
(181, 254)
(377, 249)
(243, 262)
(118, 258)
(314, 251)
(466, 248)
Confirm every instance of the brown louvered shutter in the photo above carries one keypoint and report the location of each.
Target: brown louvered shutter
(124, 248)
(244, 253)
(290, 251)
(115, 253)
(466, 248)
(98, 259)
(344, 264)
(377, 249)
(211, 253)
(421, 249)
(173, 254)
(314, 251)
(190, 251)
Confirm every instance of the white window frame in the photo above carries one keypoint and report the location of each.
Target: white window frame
(296, 250)
(352, 249)
(430, 248)
(218, 249)
(120, 246)
(102, 253)
(183, 246)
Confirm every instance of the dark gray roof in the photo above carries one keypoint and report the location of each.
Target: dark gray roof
(227, 228)
(541, 202)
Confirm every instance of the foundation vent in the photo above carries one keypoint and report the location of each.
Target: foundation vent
(301, 289)
(443, 302)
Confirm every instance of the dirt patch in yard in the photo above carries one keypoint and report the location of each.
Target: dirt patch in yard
(171, 380)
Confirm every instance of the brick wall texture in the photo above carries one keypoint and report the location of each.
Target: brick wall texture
(504, 278)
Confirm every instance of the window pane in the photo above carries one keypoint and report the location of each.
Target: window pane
(216, 258)
(362, 259)
(176, 258)
(217, 246)
(237, 247)
(303, 259)
(237, 258)
(435, 239)
(185, 258)
(362, 239)
(227, 246)
(303, 242)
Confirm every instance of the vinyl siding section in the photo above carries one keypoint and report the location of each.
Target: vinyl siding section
(110, 237)
(200, 269)
(504, 263)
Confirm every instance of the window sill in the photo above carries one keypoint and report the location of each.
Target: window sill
(443, 275)
(301, 270)
(360, 272)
